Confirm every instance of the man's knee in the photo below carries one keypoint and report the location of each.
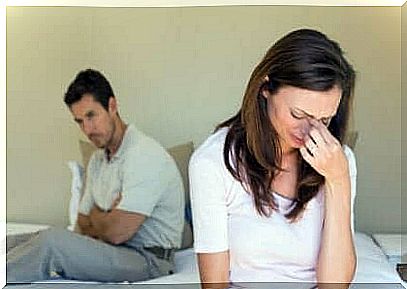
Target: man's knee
(53, 237)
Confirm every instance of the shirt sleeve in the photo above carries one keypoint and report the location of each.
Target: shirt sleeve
(209, 207)
(353, 173)
(87, 201)
(143, 180)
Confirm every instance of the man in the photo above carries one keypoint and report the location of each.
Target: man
(131, 215)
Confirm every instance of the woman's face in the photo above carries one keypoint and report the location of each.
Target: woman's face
(291, 108)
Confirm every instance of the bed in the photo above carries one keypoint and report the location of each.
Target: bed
(374, 270)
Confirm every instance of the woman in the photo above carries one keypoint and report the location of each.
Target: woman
(272, 189)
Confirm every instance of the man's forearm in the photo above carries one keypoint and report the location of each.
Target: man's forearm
(103, 224)
(85, 227)
(115, 226)
(98, 224)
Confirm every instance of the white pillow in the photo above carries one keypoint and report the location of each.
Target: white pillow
(77, 172)
(372, 263)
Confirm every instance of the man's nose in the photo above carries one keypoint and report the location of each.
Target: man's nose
(87, 127)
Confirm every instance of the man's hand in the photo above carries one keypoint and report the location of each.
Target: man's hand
(115, 226)
(85, 227)
(116, 202)
(96, 217)
(97, 212)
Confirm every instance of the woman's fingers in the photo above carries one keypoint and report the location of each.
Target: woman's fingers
(307, 156)
(311, 146)
(323, 131)
(324, 152)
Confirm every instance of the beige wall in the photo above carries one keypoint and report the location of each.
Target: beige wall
(177, 72)
(44, 48)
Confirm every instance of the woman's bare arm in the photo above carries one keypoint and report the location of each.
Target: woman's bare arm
(214, 270)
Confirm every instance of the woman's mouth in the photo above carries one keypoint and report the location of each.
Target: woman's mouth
(298, 141)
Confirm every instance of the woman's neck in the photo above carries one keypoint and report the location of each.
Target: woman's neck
(289, 159)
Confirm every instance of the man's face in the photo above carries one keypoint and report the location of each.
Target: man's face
(97, 123)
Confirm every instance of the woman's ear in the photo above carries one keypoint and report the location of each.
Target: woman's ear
(265, 92)
(264, 87)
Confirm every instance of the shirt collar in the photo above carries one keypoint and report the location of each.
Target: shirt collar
(125, 142)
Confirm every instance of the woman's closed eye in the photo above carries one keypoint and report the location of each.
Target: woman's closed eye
(326, 121)
(296, 115)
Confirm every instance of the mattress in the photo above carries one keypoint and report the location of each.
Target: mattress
(373, 268)
(17, 233)
(393, 245)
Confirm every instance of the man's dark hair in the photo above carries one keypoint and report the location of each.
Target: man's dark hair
(91, 82)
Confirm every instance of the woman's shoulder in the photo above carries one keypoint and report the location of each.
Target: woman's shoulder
(212, 148)
(351, 159)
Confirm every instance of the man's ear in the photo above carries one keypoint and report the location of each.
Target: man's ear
(112, 105)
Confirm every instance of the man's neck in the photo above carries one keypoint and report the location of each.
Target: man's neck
(117, 137)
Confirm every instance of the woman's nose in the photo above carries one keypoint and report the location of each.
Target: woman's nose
(305, 127)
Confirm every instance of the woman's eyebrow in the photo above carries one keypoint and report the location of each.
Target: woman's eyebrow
(310, 115)
(304, 112)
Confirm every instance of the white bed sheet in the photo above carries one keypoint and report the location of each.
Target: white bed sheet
(372, 265)
(14, 229)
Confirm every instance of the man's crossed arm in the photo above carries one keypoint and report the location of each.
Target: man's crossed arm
(115, 226)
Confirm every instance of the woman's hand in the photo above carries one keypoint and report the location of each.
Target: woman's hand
(325, 154)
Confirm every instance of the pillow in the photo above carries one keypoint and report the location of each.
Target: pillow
(181, 154)
(77, 172)
(86, 149)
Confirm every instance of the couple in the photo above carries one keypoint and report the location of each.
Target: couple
(271, 189)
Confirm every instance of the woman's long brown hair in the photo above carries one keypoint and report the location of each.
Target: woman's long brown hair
(252, 153)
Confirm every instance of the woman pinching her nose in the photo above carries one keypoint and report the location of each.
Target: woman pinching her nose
(272, 188)
(325, 154)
